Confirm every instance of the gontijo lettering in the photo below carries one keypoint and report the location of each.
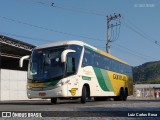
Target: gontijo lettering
(119, 77)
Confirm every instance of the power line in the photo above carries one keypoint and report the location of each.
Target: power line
(116, 36)
(48, 29)
(131, 52)
(20, 22)
(26, 37)
(73, 9)
(78, 10)
(142, 34)
(126, 19)
(110, 18)
(112, 35)
(39, 39)
(135, 52)
(44, 28)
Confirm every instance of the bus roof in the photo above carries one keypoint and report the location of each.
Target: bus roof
(76, 42)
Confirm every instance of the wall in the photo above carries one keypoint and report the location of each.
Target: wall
(147, 90)
(13, 85)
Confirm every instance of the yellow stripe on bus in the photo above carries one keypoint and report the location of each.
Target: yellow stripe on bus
(110, 56)
(36, 85)
(118, 80)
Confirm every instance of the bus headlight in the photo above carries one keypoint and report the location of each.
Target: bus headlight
(29, 87)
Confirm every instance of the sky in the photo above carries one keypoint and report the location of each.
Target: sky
(134, 38)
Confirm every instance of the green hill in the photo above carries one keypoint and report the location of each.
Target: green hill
(147, 73)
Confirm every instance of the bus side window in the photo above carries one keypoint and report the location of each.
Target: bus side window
(87, 58)
(96, 60)
(106, 63)
(71, 65)
(121, 68)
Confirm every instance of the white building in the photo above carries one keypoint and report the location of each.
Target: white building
(12, 78)
(147, 90)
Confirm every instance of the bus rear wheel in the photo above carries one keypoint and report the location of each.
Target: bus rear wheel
(121, 95)
(84, 95)
(53, 100)
(125, 94)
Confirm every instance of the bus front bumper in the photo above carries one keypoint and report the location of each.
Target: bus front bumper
(45, 94)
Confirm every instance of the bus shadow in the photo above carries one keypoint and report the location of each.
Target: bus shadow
(30, 103)
(119, 109)
(61, 102)
(24, 103)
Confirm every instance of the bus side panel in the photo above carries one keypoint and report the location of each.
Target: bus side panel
(112, 82)
(76, 82)
(98, 81)
(120, 80)
(104, 83)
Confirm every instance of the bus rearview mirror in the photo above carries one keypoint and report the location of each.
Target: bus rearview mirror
(64, 54)
(22, 59)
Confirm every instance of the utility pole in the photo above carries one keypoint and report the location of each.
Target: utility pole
(109, 18)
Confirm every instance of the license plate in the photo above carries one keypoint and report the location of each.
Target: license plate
(42, 94)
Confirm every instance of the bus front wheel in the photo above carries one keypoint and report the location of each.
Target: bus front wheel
(84, 95)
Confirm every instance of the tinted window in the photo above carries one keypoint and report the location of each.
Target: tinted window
(87, 58)
(76, 55)
(46, 64)
(97, 60)
(106, 63)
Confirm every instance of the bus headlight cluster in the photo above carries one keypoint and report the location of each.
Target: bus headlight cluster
(29, 87)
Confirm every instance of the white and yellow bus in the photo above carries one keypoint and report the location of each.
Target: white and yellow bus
(74, 69)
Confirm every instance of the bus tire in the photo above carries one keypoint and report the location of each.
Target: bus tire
(121, 95)
(53, 100)
(84, 95)
(125, 94)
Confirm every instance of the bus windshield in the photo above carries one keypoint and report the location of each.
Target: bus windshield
(45, 64)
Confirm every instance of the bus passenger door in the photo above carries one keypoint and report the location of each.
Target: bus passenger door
(72, 78)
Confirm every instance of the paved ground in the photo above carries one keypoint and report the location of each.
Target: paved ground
(110, 108)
